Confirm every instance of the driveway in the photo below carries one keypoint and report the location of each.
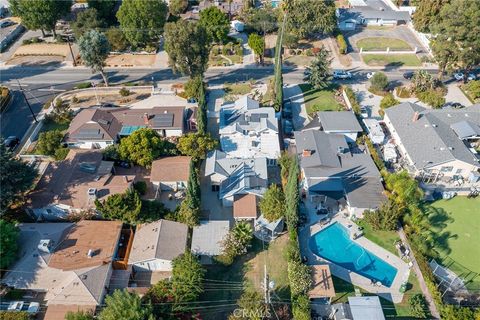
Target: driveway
(294, 94)
(454, 94)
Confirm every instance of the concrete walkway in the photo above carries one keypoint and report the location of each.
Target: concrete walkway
(294, 95)
(426, 293)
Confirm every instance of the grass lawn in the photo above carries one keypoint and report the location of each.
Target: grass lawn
(382, 43)
(52, 125)
(246, 271)
(392, 59)
(299, 60)
(320, 100)
(385, 239)
(237, 88)
(456, 224)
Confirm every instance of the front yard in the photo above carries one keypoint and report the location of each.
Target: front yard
(456, 225)
(320, 100)
(392, 60)
(382, 43)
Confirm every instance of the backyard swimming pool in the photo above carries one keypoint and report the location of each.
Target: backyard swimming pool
(333, 243)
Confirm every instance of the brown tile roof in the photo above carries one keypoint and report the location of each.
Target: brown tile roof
(99, 236)
(170, 169)
(245, 206)
(68, 181)
(94, 119)
(58, 311)
(322, 286)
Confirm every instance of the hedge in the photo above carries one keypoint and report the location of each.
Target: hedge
(353, 100)
(342, 44)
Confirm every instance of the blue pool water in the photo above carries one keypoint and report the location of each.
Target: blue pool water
(333, 243)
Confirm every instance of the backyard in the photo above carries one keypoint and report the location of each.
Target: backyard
(392, 60)
(320, 99)
(456, 226)
(385, 239)
(226, 283)
(381, 43)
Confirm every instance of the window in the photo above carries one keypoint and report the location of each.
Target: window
(272, 162)
(215, 188)
(446, 169)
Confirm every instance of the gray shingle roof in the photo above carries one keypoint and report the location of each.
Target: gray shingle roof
(207, 237)
(344, 121)
(431, 140)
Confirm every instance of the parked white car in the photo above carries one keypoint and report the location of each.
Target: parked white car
(459, 76)
(342, 74)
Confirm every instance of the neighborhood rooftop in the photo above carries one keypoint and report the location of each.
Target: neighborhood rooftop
(344, 121)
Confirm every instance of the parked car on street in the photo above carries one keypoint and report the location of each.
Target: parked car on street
(408, 75)
(11, 143)
(453, 105)
(6, 23)
(342, 74)
(459, 76)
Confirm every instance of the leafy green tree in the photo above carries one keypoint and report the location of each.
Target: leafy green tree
(257, 44)
(202, 119)
(9, 315)
(418, 306)
(79, 315)
(8, 243)
(188, 213)
(196, 145)
(379, 82)
(473, 89)
(422, 81)
(177, 7)
(451, 312)
(187, 280)
(458, 26)
(195, 88)
(40, 14)
(124, 305)
(320, 76)
(117, 39)
(16, 177)
(161, 297)
(236, 242)
(261, 20)
(292, 195)
(431, 97)
(272, 204)
(86, 20)
(388, 101)
(143, 146)
(285, 162)
(188, 47)
(299, 277)
(310, 17)
(142, 21)
(151, 211)
(301, 307)
(49, 141)
(94, 49)
(125, 207)
(193, 186)
(105, 9)
(427, 13)
(404, 189)
(216, 23)
(385, 218)
(252, 304)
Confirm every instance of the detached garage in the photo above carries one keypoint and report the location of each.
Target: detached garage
(170, 173)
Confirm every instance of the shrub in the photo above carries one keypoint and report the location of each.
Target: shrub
(117, 39)
(373, 153)
(353, 100)
(473, 89)
(301, 308)
(432, 98)
(140, 187)
(124, 92)
(388, 101)
(379, 82)
(309, 52)
(61, 153)
(342, 44)
(49, 142)
(385, 218)
(35, 40)
(418, 306)
(299, 277)
(83, 85)
(403, 92)
(75, 99)
(8, 315)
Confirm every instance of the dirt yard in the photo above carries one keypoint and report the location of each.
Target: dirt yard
(43, 49)
(35, 60)
(88, 98)
(130, 60)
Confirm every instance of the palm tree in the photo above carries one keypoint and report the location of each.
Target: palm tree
(243, 232)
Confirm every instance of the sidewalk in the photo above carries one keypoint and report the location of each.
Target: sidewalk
(431, 304)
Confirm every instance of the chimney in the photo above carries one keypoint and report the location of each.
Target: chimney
(416, 115)
(306, 153)
(145, 118)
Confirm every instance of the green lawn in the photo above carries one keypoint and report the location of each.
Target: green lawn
(237, 88)
(320, 100)
(385, 239)
(299, 60)
(456, 224)
(392, 59)
(382, 43)
(247, 272)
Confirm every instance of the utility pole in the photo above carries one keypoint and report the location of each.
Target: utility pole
(266, 286)
(26, 101)
(71, 52)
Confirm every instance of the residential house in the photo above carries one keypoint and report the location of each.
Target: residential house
(368, 13)
(340, 122)
(330, 167)
(438, 142)
(245, 207)
(374, 130)
(231, 7)
(170, 173)
(73, 185)
(235, 176)
(365, 308)
(207, 239)
(248, 131)
(156, 244)
(71, 263)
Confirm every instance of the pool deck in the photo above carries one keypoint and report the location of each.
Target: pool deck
(403, 271)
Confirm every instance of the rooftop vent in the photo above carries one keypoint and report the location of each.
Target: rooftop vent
(90, 253)
(92, 193)
(307, 153)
